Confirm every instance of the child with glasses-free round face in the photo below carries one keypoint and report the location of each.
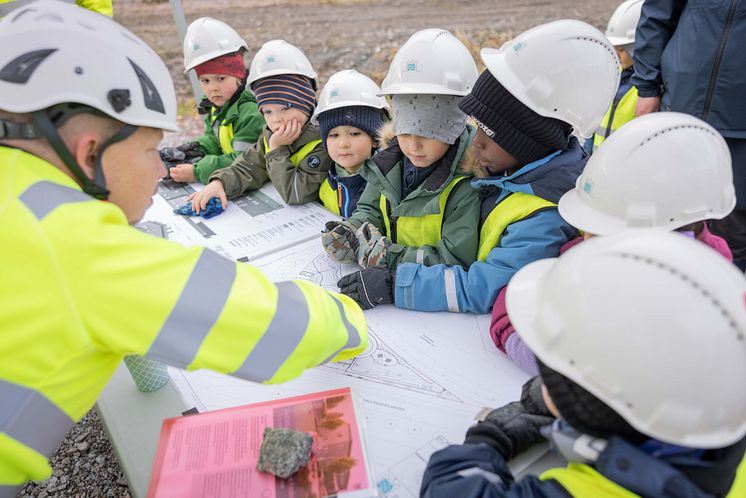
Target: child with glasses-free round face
(349, 147)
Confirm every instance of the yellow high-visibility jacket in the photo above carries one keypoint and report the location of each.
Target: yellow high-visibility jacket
(101, 6)
(81, 289)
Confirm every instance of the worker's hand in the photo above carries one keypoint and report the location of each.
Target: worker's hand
(646, 105)
(339, 241)
(213, 189)
(286, 134)
(510, 430)
(369, 287)
(183, 173)
(373, 246)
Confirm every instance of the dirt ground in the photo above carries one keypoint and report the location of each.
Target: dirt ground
(349, 34)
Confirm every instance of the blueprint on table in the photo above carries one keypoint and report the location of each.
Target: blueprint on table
(421, 380)
(255, 224)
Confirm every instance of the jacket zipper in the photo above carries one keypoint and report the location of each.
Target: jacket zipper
(719, 57)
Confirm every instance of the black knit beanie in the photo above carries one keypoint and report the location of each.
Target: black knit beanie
(363, 117)
(524, 134)
(583, 411)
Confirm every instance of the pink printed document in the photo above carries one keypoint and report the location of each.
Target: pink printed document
(214, 454)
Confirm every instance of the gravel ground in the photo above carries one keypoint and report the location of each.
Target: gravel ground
(84, 466)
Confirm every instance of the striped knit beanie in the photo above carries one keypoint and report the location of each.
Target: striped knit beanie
(523, 133)
(292, 90)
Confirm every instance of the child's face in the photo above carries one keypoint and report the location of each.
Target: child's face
(349, 147)
(624, 59)
(423, 152)
(219, 88)
(277, 115)
(492, 156)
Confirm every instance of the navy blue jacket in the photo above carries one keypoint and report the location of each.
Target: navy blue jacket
(352, 189)
(478, 471)
(693, 53)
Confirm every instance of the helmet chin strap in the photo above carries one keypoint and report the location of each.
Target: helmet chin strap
(48, 129)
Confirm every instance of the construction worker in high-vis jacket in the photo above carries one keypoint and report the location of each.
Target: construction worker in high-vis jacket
(83, 103)
(101, 6)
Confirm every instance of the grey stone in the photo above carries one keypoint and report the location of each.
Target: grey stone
(284, 451)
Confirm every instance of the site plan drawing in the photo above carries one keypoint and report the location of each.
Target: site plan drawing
(421, 380)
(255, 224)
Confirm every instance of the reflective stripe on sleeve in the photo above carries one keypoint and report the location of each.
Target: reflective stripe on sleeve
(284, 333)
(200, 304)
(449, 277)
(29, 417)
(43, 197)
(420, 257)
(353, 338)
(240, 146)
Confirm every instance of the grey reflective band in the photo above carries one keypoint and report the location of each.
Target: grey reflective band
(284, 333)
(200, 304)
(6, 8)
(29, 417)
(239, 146)
(43, 197)
(353, 338)
(449, 283)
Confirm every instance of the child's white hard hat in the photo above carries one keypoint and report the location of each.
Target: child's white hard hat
(651, 323)
(54, 53)
(565, 70)
(432, 61)
(280, 57)
(349, 88)
(208, 38)
(663, 170)
(623, 23)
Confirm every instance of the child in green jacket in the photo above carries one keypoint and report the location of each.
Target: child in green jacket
(232, 119)
(418, 205)
(289, 151)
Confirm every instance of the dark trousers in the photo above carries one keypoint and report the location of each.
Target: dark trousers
(733, 227)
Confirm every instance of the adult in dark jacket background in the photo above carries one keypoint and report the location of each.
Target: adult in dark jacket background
(689, 58)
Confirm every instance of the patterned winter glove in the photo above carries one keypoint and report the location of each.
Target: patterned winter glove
(192, 151)
(373, 246)
(369, 287)
(339, 241)
(510, 430)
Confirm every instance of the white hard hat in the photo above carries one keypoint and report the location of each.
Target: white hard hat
(662, 170)
(349, 88)
(208, 38)
(565, 70)
(623, 23)
(432, 61)
(53, 53)
(651, 323)
(280, 57)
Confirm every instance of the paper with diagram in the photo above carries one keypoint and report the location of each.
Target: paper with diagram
(256, 224)
(421, 380)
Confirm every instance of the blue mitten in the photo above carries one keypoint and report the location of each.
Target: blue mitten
(214, 208)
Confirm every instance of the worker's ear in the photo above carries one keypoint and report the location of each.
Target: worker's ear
(84, 148)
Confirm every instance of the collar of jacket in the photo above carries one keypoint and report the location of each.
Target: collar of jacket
(670, 473)
(309, 133)
(376, 169)
(548, 178)
(351, 181)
